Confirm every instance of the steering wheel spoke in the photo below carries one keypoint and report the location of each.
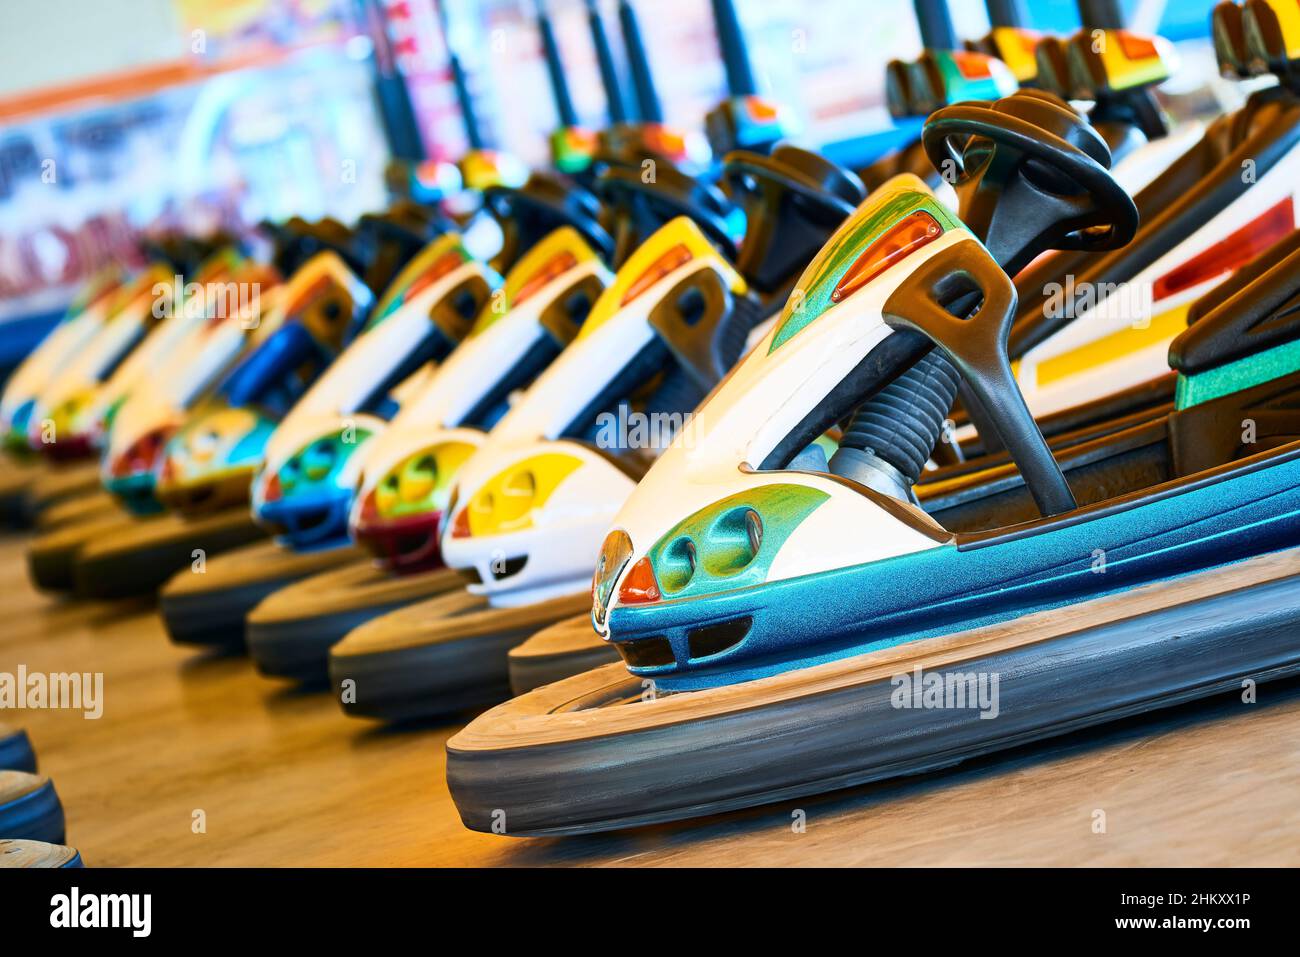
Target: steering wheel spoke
(1031, 175)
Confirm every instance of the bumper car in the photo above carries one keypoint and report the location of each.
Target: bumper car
(106, 320)
(787, 631)
(300, 459)
(532, 503)
(31, 816)
(134, 363)
(547, 295)
(1115, 350)
(73, 357)
(202, 469)
(411, 465)
(139, 417)
(1083, 379)
(23, 477)
(303, 492)
(60, 421)
(1113, 69)
(1213, 210)
(72, 416)
(20, 853)
(1117, 83)
(97, 302)
(398, 510)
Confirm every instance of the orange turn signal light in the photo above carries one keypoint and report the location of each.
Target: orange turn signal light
(675, 258)
(460, 524)
(905, 237)
(444, 265)
(1136, 47)
(640, 586)
(972, 66)
(762, 111)
(554, 267)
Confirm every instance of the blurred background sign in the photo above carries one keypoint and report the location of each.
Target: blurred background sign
(119, 117)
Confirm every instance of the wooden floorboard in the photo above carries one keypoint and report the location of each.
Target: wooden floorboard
(284, 778)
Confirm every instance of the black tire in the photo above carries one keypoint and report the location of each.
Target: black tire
(291, 632)
(567, 648)
(210, 610)
(436, 657)
(139, 560)
(16, 753)
(52, 557)
(29, 808)
(574, 757)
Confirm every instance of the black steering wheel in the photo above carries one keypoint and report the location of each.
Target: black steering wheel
(543, 204)
(1032, 175)
(670, 193)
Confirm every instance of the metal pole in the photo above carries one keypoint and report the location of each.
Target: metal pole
(472, 132)
(1101, 14)
(396, 113)
(731, 41)
(638, 61)
(555, 68)
(935, 20)
(1007, 13)
(608, 71)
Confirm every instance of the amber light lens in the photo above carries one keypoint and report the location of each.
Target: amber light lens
(555, 267)
(675, 258)
(663, 140)
(370, 508)
(580, 138)
(761, 110)
(640, 586)
(141, 456)
(972, 66)
(1028, 41)
(1136, 47)
(898, 242)
(444, 265)
(460, 525)
(317, 288)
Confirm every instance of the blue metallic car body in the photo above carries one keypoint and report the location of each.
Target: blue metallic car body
(1235, 513)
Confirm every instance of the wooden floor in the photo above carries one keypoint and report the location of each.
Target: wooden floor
(284, 778)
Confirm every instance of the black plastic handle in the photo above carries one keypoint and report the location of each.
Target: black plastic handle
(977, 346)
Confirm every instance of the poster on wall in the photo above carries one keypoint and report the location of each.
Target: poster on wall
(271, 114)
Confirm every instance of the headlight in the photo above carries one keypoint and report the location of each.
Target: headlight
(614, 553)
(421, 482)
(507, 502)
(317, 459)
